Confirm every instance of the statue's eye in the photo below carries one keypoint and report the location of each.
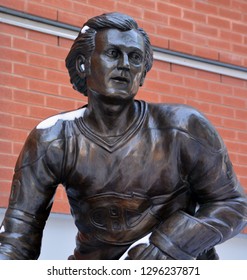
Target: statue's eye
(112, 53)
(136, 58)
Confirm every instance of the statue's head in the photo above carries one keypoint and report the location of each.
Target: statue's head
(78, 59)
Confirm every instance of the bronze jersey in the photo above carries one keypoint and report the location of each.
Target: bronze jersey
(122, 187)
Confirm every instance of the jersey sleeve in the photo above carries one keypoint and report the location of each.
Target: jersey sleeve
(37, 174)
(221, 211)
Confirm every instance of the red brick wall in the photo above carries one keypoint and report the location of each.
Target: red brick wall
(35, 84)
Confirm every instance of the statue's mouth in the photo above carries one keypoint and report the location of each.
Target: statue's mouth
(120, 79)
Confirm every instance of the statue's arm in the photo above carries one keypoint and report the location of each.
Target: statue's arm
(222, 204)
(34, 184)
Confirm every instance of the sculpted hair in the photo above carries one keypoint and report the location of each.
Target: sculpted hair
(85, 42)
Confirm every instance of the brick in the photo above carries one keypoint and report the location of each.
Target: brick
(187, 71)
(231, 58)
(29, 71)
(5, 147)
(65, 4)
(26, 123)
(230, 14)
(170, 77)
(42, 112)
(159, 41)
(60, 103)
(157, 86)
(41, 10)
(148, 26)
(185, 92)
(234, 102)
(69, 92)
(148, 95)
(242, 159)
(4, 200)
(242, 136)
(147, 4)
(6, 173)
(227, 133)
(71, 18)
(187, 4)
(241, 114)
(106, 4)
(167, 31)
(219, 44)
(43, 61)
(194, 16)
(219, 22)
(201, 74)
(6, 66)
(13, 81)
(6, 93)
(171, 99)
(60, 193)
(13, 134)
(240, 49)
(196, 83)
(194, 38)
(168, 9)
(150, 15)
(13, 55)
(57, 76)
(17, 147)
(28, 45)
(17, 5)
(27, 97)
(227, 35)
(221, 89)
(222, 111)
(215, 120)
(206, 30)
(210, 97)
(239, 27)
(13, 30)
(240, 92)
(161, 65)
(56, 52)
(206, 52)
(240, 5)
(233, 81)
(225, 3)
(41, 37)
(6, 118)
(241, 170)
(236, 124)
(5, 39)
(43, 86)
(181, 46)
(65, 43)
(181, 24)
(206, 8)
(82, 9)
(123, 7)
(60, 207)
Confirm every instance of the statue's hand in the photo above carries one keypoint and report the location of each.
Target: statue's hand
(146, 251)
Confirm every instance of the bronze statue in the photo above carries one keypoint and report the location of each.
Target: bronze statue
(129, 168)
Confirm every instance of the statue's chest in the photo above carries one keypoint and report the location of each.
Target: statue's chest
(142, 166)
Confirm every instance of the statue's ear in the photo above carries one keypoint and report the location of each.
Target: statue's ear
(80, 66)
(142, 78)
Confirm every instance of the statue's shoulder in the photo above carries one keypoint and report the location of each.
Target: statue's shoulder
(53, 127)
(188, 120)
(49, 137)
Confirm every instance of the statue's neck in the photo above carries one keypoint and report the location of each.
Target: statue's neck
(110, 117)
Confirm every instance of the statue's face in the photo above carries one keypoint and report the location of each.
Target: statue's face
(117, 63)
